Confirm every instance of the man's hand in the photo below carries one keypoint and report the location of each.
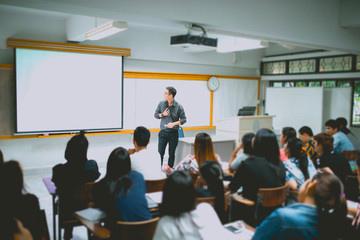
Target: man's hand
(165, 113)
(171, 125)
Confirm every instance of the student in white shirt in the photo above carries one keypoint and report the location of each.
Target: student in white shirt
(143, 160)
(181, 219)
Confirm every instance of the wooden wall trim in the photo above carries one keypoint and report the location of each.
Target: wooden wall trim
(121, 132)
(6, 66)
(67, 47)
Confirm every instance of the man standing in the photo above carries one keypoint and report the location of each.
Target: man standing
(172, 115)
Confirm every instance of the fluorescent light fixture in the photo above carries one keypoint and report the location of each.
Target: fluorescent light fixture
(105, 30)
(228, 44)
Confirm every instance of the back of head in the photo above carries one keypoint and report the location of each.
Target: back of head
(331, 205)
(9, 226)
(247, 143)
(142, 136)
(267, 146)
(295, 150)
(212, 173)
(288, 133)
(178, 194)
(326, 141)
(342, 124)
(118, 164)
(76, 150)
(203, 148)
(12, 180)
(306, 130)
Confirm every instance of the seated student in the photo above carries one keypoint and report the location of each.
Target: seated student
(181, 219)
(342, 123)
(298, 167)
(212, 174)
(142, 160)
(320, 213)
(69, 178)
(327, 158)
(263, 170)
(121, 193)
(306, 136)
(286, 134)
(203, 151)
(15, 202)
(246, 146)
(341, 141)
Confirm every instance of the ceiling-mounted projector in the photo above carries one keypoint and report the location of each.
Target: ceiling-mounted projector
(194, 43)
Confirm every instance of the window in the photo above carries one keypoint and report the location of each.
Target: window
(302, 66)
(277, 84)
(314, 84)
(300, 84)
(343, 83)
(356, 104)
(289, 84)
(358, 62)
(274, 67)
(329, 84)
(335, 64)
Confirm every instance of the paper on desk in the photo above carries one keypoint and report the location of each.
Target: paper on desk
(155, 196)
(91, 214)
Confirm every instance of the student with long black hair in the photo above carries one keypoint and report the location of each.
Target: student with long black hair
(121, 193)
(287, 133)
(320, 213)
(247, 150)
(213, 176)
(181, 218)
(263, 170)
(298, 166)
(70, 178)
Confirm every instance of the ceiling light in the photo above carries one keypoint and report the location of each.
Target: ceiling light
(235, 44)
(105, 30)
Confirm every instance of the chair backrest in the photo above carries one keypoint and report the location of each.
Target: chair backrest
(351, 155)
(210, 200)
(143, 230)
(272, 197)
(155, 185)
(194, 177)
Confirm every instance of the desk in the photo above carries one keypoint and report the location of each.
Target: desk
(246, 234)
(352, 207)
(224, 145)
(51, 188)
(94, 227)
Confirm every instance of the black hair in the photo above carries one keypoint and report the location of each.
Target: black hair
(9, 226)
(267, 146)
(1, 157)
(332, 123)
(331, 205)
(294, 147)
(213, 175)
(306, 130)
(342, 123)
(142, 136)
(117, 169)
(172, 91)
(76, 150)
(179, 194)
(247, 143)
(326, 141)
(12, 180)
(288, 133)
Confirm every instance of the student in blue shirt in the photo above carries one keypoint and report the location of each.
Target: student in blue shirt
(320, 213)
(298, 167)
(121, 193)
(341, 141)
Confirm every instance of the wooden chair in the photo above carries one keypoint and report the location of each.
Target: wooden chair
(136, 230)
(352, 157)
(155, 185)
(86, 198)
(209, 200)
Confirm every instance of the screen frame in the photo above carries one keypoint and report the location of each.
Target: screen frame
(17, 132)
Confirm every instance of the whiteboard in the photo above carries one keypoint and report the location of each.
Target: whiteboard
(232, 95)
(142, 96)
(336, 103)
(296, 107)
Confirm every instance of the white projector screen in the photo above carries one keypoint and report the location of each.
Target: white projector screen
(63, 92)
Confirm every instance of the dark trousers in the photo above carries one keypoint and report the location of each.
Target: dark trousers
(172, 137)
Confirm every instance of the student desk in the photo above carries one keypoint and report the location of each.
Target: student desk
(224, 145)
(51, 188)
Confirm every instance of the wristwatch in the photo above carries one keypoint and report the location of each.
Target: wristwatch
(160, 115)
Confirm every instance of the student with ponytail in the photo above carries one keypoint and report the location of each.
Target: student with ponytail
(298, 167)
(121, 193)
(320, 213)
